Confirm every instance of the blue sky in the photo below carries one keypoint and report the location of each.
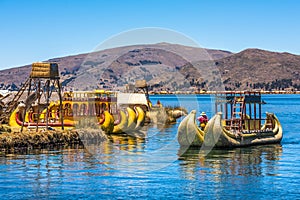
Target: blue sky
(37, 30)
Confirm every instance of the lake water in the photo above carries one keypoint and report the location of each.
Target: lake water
(157, 168)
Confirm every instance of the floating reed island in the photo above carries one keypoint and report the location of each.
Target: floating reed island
(13, 141)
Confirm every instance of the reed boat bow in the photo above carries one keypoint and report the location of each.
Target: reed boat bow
(189, 134)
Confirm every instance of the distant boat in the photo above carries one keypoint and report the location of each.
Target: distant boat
(238, 122)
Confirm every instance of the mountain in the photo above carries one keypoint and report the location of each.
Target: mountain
(260, 69)
(170, 67)
(113, 68)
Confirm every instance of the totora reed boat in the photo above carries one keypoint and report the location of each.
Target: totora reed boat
(113, 112)
(238, 122)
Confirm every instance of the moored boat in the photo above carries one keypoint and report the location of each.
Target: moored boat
(81, 108)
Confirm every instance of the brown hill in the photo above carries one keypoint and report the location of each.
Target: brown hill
(260, 69)
(112, 68)
(170, 67)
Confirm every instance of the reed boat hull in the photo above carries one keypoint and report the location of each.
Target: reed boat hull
(133, 121)
(15, 122)
(217, 135)
(189, 134)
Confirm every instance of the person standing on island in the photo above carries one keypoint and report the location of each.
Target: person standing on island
(203, 119)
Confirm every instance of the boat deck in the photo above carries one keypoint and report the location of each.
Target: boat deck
(242, 111)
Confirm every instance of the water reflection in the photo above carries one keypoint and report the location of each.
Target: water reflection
(257, 161)
(119, 152)
(128, 143)
(38, 170)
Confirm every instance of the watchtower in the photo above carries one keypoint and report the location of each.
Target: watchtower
(42, 82)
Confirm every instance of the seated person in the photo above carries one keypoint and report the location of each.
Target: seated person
(203, 119)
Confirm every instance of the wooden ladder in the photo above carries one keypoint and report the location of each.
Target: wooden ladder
(10, 106)
(238, 110)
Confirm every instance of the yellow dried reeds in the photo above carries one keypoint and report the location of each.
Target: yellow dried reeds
(43, 139)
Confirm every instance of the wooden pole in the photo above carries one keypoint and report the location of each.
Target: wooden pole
(60, 105)
(38, 106)
(24, 114)
(226, 106)
(47, 101)
(254, 115)
(259, 115)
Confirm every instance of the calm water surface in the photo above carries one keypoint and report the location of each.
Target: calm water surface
(157, 168)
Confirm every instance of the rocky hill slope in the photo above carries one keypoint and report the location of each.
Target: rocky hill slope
(259, 69)
(170, 67)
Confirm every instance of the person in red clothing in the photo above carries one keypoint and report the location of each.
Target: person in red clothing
(203, 119)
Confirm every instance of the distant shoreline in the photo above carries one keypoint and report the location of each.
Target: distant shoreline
(55, 97)
(220, 92)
